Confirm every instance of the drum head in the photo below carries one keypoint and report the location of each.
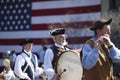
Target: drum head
(69, 66)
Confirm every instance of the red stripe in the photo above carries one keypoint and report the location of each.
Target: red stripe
(16, 41)
(85, 24)
(71, 40)
(63, 11)
(1, 55)
(77, 40)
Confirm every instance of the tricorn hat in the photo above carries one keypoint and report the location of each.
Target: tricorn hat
(25, 41)
(100, 23)
(57, 31)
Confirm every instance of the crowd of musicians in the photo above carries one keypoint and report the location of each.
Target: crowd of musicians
(97, 57)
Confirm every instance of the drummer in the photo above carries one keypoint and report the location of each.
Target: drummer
(51, 54)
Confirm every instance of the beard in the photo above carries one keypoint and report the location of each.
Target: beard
(64, 43)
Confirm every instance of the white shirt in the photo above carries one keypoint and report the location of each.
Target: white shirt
(20, 61)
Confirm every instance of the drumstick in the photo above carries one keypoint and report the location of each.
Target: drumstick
(59, 75)
(64, 70)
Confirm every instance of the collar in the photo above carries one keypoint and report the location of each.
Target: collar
(29, 53)
(94, 38)
(59, 45)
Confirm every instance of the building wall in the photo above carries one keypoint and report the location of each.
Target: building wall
(115, 15)
(105, 5)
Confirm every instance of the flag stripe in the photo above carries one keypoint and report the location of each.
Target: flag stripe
(59, 4)
(65, 18)
(18, 48)
(24, 34)
(77, 40)
(61, 11)
(42, 34)
(85, 24)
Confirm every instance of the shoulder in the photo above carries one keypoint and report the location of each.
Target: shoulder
(49, 49)
(35, 54)
(90, 42)
(20, 57)
(49, 52)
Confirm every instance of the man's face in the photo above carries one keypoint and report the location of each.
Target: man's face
(105, 30)
(28, 47)
(60, 39)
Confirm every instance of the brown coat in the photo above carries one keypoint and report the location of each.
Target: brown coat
(103, 68)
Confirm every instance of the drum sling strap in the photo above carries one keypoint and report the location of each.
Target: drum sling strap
(30, 63)
(28, 60)
(56, 54)
(56, 51)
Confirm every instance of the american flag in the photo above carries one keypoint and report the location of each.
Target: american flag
(21, 19)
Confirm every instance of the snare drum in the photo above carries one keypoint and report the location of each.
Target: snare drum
(69, 66)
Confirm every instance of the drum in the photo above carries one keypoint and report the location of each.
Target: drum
(69, 66)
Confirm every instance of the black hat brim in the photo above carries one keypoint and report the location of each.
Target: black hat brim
(58, 31)
(25, 41)
(100, 24)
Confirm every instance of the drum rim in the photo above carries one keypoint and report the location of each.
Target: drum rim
(59, 58)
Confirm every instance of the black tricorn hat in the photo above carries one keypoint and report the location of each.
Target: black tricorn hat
(25, 41)
(57, 31)
(100, 23)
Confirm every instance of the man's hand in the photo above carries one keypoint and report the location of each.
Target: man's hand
(107, 40)
(3, 77)
(56, 77)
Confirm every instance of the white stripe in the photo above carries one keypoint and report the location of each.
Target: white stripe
(79, 32)
(67, 3)
(65, 18)
(4, 48)
(42, 34)
(24, 34)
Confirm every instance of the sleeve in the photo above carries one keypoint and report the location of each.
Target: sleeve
(36, 61)
(114, 54)
(11, 75)
(18, 67)
(39, 70)
(89, 56)
(48, 63)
